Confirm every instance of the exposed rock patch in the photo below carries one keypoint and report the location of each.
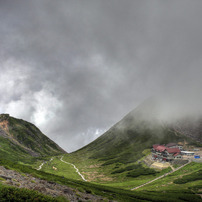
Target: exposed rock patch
(16, 179)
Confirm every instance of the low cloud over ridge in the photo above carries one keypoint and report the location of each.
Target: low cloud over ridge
(75, 68)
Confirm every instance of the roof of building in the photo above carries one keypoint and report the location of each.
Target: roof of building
(155, 146)
(160, 148)
(176, 154)
(172, 150)
(171, 144)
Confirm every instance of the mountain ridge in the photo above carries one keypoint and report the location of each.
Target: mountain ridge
(120, 152)
(138, 130)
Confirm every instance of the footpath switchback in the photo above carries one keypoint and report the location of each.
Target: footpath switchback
(77, 170)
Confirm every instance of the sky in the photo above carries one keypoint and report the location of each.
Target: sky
(75, 68)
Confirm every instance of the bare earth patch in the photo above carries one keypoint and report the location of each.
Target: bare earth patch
(4, 125)
(160, 165)
(95, 166)
(94, 176)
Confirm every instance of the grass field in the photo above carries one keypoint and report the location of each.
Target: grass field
(103, 173)
(167, 183)
(57, 167)
(113, 191)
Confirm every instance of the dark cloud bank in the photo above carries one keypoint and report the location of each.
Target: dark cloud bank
(75, 68)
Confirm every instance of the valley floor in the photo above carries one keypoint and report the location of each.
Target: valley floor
(162, 180)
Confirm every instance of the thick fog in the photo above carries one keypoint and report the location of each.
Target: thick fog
(75, 68)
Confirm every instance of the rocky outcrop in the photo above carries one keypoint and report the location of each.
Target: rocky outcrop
(190, 127)
(13, 178)
(4, 117)
(3, 133)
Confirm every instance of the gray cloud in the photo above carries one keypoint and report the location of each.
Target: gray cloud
(77, 67)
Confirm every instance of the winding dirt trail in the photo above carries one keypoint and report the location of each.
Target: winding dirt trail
(160, 176)
(77, 170)
(40, 167)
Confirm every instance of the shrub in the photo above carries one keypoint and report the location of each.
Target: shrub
(135, 170)
(189, 178)
(20, 195)
(128, 168)
(141, 171)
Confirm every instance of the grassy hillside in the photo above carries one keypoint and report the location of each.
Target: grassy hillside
(11, 151)
(185, 180)
(188, 178)
(125, 145)
(20, 139)
(126, 141)
(93, 171)
(57, 167)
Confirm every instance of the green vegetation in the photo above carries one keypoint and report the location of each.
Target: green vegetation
(116, 174)
(136, 170)
(190, 178)
(93, 171)
(114, 163)
(21, 195)
(125, 142)
(141, 171)
(106, 191)
(169, 182)
(131, 182)
(20, 141)
(16, 153)
(57, 167)
(11, 151)
(128, 168)
(31, 137)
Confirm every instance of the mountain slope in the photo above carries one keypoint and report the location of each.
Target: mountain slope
(19, 139)
(191, 127)
(137, 131)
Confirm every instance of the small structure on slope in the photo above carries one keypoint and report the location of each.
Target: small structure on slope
(166, 153)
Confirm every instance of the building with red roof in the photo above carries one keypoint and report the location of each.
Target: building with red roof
(165, 153)
(172, 150)
(174, 145)
(160, 148)
(155, 146)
